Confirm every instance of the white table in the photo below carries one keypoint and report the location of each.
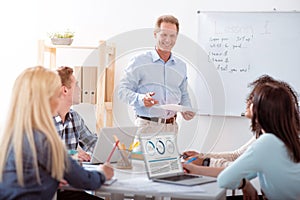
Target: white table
(134, 182)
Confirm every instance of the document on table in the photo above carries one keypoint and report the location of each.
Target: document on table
(175, 107)
(92, 167)
(111, 181)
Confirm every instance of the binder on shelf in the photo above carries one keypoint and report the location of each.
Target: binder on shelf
(78, 76)
(89, 84)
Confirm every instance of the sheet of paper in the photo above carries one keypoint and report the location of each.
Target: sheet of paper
(90, 166)
(175, 107)
(111, 181)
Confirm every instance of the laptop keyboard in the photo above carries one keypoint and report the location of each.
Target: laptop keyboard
(179, 177)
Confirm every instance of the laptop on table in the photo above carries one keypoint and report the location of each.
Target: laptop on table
(163, 162)
(105, 143)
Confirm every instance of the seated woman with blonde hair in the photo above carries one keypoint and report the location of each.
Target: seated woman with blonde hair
(33, 159)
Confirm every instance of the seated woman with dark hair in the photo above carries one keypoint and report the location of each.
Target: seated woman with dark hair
(212, 163)
(275, 156)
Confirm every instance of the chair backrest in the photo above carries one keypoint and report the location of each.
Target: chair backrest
(88, 112)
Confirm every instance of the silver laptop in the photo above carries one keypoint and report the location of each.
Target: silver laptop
(106, 142)
(163, 163)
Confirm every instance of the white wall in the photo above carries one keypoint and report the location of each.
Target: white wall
(24, 22)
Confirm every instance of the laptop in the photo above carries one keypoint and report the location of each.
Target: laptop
(105, 143)
(163, 162)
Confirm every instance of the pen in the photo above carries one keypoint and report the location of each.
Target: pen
(112, 151)
(191, 160)
(117, 139)
(184, 156)
(134, 145)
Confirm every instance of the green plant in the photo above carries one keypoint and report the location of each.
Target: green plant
(66, 34)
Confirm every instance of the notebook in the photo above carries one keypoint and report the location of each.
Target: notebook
(163, 162)
(106, 141)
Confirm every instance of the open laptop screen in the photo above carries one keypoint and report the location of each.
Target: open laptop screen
(161, 154)
(105, 142)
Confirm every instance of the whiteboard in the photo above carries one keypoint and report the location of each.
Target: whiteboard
(245, 45)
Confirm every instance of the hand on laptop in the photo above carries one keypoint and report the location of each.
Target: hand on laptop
(83, 156)
(192, 168)
(107, 169)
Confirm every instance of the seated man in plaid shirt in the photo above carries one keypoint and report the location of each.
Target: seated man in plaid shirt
(68, 122)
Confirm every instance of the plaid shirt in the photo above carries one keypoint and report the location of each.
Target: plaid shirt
(74, 132)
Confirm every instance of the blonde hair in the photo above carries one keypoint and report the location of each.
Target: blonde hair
(30, 111)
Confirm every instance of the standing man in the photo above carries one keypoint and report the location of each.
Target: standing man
(68, 122)
(157, 77)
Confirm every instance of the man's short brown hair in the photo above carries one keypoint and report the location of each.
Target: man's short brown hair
(65, 74)
(168, 19)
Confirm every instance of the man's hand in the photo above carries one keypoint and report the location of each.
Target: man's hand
(83, 156)
(188, 115)
(148, 100)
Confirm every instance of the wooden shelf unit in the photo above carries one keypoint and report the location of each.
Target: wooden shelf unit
(106, 72)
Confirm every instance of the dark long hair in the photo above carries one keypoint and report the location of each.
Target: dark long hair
(268, 79)
(275, 112)
(256, 129)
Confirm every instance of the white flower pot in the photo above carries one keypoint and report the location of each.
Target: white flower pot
(62, 41)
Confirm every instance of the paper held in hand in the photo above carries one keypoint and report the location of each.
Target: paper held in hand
(176, 107)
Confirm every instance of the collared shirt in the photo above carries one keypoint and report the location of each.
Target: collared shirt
(149, 73)
(76, 176)
(74, 132)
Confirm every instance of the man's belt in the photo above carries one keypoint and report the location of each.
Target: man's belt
(171, 120)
